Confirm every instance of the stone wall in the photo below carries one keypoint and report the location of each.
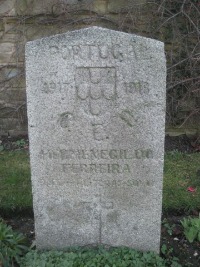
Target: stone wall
(24, 20)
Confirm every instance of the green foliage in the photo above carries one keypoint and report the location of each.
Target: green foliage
(20, 143)
(12, 246)
(191, 228)
(167, 254)
(95, 257)
(168, 226)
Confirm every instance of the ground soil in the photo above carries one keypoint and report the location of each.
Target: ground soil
(181, 143)
(172, 232)
(187, 253)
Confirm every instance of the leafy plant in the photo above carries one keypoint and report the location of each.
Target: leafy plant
(20, 143)
(96, 257)
(170, 259)
(168, 226)
(12, 245)
(191, 228)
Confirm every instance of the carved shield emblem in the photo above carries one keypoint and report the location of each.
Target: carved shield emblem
(96, 85)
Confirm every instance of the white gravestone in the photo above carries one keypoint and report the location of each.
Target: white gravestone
(96, 111)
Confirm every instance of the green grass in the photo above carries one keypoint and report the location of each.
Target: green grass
(180, 171)
(15, 182)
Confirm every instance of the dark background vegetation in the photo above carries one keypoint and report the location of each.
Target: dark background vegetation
(176, 23)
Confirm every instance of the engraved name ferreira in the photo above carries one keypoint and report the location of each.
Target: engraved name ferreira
(87, 160)
(96, 168)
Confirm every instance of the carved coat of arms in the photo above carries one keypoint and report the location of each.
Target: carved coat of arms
(96, 85)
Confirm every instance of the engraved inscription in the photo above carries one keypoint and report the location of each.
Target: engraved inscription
(128, 117)
(99, 205)
(96, 168)
(90, 52)
(99, 132)
(113, 161)
(52, 84)
(145, 183)
(96, 154)
(65, 119)
(137, 87)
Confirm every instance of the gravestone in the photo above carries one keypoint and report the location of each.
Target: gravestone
(96, 108)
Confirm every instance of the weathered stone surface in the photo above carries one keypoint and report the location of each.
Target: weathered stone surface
(96, 108)
(27, 7)
(14, 96)
(116, 6)
(14, 125)
(1, 26)
(6, 52)
(100, 6)
(7, 7)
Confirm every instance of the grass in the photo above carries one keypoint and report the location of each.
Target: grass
(180, 172)
(15, 182)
